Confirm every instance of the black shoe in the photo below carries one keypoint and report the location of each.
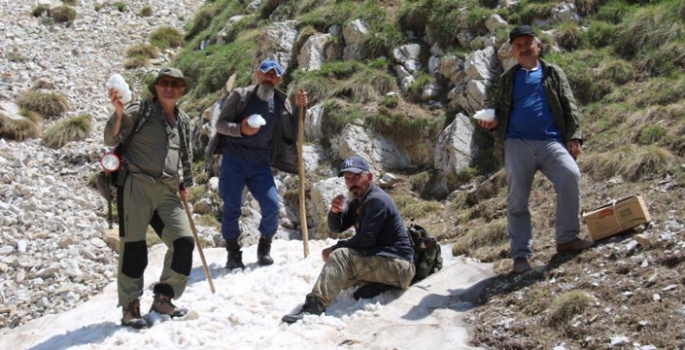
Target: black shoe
(131, 315)
(312, 306)
(263, 250)
(235, 255)
(371, 290)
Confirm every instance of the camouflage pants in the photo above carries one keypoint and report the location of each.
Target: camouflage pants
(347, 267)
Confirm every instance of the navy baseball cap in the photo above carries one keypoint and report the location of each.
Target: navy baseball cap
(268, 65)
(354, 164)
(521, 30)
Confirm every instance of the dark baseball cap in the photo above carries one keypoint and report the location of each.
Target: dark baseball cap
(521, 30)
(354, 164)
(268, 65)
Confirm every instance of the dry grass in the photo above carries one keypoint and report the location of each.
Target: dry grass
(63, 14)
(195, 193)
(66, 130)
(630, 162)
(165, 36)
(566, 306)
(208, 220)
(49, 105)
(20, 129)
(145, 50)
(487, 242)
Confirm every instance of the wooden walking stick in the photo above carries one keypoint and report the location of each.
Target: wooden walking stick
(300, 165)
(198, 243)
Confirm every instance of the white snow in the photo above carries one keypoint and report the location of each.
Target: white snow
(246, 311)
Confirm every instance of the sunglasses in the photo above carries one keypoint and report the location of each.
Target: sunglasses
(168, 83)
(353, 177)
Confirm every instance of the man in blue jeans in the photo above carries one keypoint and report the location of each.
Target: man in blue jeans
(250, 150)
(537, 127)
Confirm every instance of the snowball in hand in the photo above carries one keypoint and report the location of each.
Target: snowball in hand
(486, 115)
(118, 83)
(256, 121)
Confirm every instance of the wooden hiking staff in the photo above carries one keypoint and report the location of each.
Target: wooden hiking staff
(300, 165)
(198, 243)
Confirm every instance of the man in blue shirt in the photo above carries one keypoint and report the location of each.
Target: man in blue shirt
(537, 127)
(379, 256)
(248, 153)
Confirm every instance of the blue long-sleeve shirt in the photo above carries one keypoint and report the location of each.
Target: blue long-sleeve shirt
(379, 226)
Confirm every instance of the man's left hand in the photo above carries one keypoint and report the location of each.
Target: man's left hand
(326, 253)
(574, 147)
(301, 98)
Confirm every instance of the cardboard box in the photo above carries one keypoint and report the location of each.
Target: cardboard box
(617, 216)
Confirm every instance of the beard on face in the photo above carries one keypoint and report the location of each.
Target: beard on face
(265, 91)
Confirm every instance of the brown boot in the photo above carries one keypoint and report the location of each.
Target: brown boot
(131, 317)
(162, 302)
(574, 245)
(521, 265)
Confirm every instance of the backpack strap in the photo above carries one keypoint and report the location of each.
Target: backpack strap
(144, 112)
(186, 150)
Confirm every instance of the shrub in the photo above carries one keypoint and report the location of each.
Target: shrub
(144, 50)
(567, 305)
(63, 14)
(390, 101)
(39, 10)
(66, 130)
(70, 2)
(164, 37)
(20, 129)
(568, 35)
(599, 34)
(45, 104)
(145, 11)
(617, 70)
(651, 134)
(97, 7)
(382, 39)
(120, 6)
(647, 28)
(615, 11)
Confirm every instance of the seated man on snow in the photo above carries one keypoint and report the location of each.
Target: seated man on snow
(379, 256)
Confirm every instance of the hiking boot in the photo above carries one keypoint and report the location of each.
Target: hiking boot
(131, 315)
(521, 265)
(371, 290)
(312, 306)
(235, 256)
(575, 245)
(263, 250)
(162, 302)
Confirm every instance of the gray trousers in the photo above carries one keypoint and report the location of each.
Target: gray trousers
(522, 159)
(347, 267)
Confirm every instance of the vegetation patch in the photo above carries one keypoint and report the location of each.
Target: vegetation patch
(488, 242)
(630, 162)
(66, 130)
(120, 6)
(568, 305)
(39, 10)
(48, 105)
(27, 127)
(145, 11)
(412, 208)
(63, 14)
(166, 36)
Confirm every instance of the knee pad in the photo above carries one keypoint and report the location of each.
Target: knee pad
(182, 260)
(134, 259)
(157, 224)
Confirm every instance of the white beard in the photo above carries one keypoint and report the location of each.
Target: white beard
(264, 92)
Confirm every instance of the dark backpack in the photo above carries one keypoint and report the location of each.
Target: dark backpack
(427, 254)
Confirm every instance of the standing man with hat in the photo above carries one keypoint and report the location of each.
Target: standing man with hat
(537, 127)
(380, 255)
(250, 150)
(156, 165)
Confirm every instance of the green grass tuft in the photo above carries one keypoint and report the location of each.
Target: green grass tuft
(39, 10)
(630, 162)
(487, 242)
(48, 105)
(165, 37)
(120, 6)
(145, 11)
(145, 50)
(568, 305)
(66, 130)
(20, 129)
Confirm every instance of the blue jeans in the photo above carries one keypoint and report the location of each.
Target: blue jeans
(236, 173)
